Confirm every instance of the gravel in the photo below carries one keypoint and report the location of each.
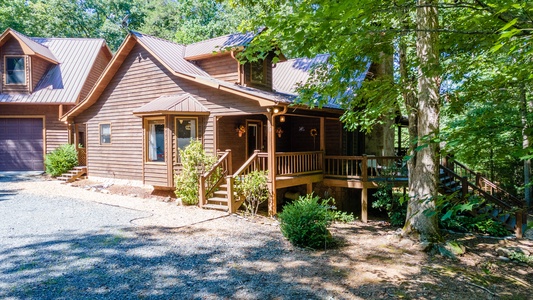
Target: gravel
(63, 242)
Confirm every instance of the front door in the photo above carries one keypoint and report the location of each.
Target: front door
(253, 136)
(80, 141)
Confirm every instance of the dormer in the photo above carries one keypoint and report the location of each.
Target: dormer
(217, 57)
(23, 62)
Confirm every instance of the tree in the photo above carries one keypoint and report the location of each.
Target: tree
(356, 32)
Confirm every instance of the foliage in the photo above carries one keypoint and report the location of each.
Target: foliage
(393, 204)
(341, 216)
(254, 188)
(521, 257)
(454, 215)
(61, 160)
(304, 222)
(195, 161)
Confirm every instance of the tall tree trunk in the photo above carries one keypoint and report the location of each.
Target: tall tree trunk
(423, 175)
(525, 144)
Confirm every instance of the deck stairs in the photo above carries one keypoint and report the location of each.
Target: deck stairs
(76, 173)
(219, 199)
(500, 205)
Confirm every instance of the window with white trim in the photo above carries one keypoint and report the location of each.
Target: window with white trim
(156, 140)
(105, 133)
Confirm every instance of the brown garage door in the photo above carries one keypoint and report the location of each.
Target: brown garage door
(21, 144)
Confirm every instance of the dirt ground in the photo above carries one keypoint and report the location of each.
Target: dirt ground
(374, 262)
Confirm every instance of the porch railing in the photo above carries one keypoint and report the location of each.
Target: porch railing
(298, 163)
(257, 162)
(212, 178)
(365, 167)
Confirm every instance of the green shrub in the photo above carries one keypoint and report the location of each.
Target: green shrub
(394, 205)
(254, 188)
(61, 160)
(194, 162)
(304, 222)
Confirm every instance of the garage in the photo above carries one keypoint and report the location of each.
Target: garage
(21, 144)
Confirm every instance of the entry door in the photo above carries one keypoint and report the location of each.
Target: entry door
(80, 141)
(253, 136)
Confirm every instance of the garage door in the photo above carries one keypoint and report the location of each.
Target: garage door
(21, 144)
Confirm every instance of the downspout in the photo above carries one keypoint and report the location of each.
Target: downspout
(272, 164)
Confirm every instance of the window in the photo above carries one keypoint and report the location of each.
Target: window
(156, 140)
(257, 72)
(185, 132)
(15, 70)
(105, 133)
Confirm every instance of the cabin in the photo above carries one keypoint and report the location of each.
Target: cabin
(42, 78)
(156, 95)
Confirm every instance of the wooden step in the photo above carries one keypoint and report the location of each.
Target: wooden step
(217, 199)
(221, 193)
(216, 207)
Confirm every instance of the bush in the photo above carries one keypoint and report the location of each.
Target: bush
(61, 160)
(254, 188)
(304, 222)
(394, 205)
(194, 162)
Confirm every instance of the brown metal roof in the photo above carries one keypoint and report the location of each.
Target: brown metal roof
(170, 53)
(286, 76)
(62, 83)
(218, 44)
(34, 47)
(166, 104)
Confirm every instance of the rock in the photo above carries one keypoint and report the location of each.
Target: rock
(104, 191)
(503, 258)
(529, 234)
(455, 248)
(507, 251)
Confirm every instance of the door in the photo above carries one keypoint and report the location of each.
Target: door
(253, 136)
(21, 144)
(80, 142)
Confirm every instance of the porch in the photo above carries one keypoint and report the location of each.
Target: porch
(301, 168)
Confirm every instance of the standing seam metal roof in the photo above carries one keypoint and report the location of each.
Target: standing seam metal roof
(219, 44)
(62, 83)
(170, 53)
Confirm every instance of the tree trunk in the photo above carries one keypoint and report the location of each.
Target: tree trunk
(525, 144)
(424, 165)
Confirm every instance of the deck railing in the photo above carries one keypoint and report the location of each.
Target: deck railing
(364, 167)
(298, 163)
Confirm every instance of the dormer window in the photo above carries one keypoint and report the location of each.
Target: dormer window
(15, 70)
(258, 72)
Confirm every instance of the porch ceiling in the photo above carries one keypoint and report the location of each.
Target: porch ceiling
(172, 104)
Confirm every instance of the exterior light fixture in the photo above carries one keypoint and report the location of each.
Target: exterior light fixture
(282, 119)
(240, 129)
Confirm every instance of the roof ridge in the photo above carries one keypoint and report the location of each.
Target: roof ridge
(157, 38)
(214, 38)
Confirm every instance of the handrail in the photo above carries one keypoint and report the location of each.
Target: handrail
(365, 167)
(206, 184)
(257, 154)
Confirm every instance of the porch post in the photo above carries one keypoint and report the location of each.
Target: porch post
(322, 135)
(271, 147)
(364, 203)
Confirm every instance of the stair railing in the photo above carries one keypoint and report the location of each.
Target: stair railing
(209, 181)
(257, 162)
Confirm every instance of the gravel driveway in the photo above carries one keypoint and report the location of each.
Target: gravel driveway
(62, 242)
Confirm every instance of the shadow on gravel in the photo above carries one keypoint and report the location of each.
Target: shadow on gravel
(178, 266)
(6, 194)
(20, 176)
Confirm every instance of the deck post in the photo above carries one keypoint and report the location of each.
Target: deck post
(518, 226)
(271, 147)
(364, 204)
(230, 165)
(309, 188)
(231, 201)
(464, 186)
(202, 190)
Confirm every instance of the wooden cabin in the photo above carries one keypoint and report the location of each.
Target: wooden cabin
(156, 95)
(41, 79)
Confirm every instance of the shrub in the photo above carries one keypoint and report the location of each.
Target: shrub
(194, 162)
(61, 160)
(394, 205)
(254, 188)
(304, 222)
